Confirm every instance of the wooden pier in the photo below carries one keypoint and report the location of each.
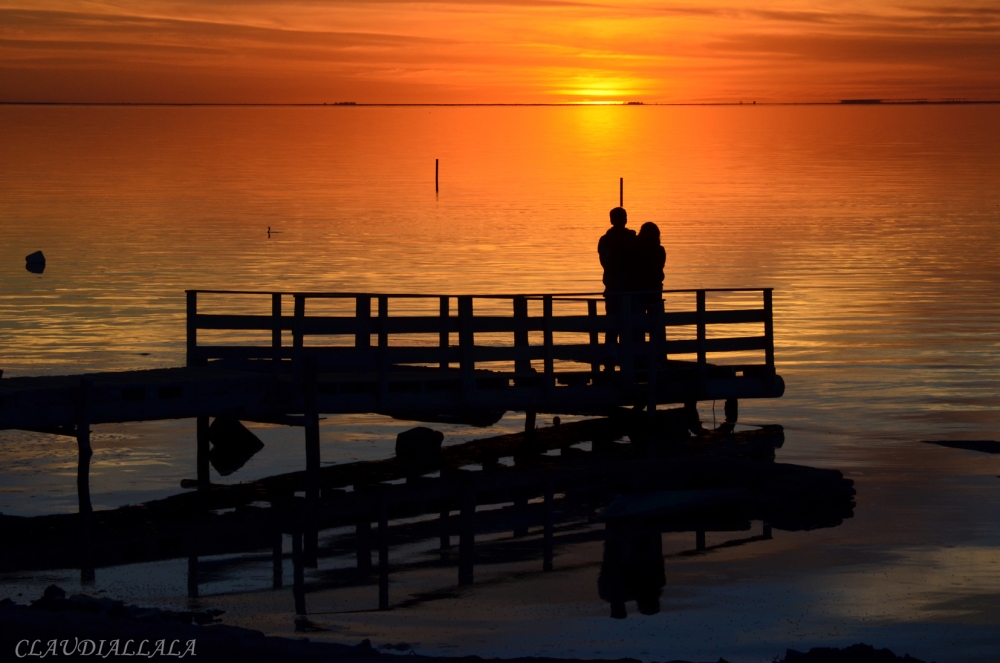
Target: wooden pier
(289, 357)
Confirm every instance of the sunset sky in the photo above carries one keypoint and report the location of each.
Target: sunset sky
(486, 51)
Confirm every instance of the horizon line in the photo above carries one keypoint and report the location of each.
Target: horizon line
(349, 104)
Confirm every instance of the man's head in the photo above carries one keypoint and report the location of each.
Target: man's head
(619, 217)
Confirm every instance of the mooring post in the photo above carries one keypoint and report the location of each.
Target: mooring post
(204, 473)
(444, 530)
(363, 547)
(383, 553)
(547, 539)
(298, 573)
(699, 540)
(277, 570)
(767, 530)
(435, 176)
(467, 535)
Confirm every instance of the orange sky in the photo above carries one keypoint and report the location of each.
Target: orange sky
(482, 51)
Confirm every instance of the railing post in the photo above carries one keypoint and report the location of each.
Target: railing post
(466, 344)
(700, 321)
(192, 329)
(625, 341)
(655, 355)
(276, 329)
(444, 333)
(547, 340)
(362, 314)
(768, 333)
(383, 350)
(298, 327)
(298, 338)
(521, 333)
(595, 365)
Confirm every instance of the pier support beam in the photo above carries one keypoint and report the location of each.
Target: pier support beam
(547, 538)
(383, 555)
(364, 547)
(84, 449)
(277, 569)
(311, 416)
(204, 478)
(85, 452)
(444, 524)
(298, 574)
(467, 536)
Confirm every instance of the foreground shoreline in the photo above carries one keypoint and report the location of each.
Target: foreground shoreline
(57, 626)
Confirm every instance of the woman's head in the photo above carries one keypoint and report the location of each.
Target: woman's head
(650, 232)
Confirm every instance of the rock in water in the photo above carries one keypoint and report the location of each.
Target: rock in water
(420, 443)
(232, 445)
(35, 262)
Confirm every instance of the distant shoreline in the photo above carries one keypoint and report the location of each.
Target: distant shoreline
(841, 102)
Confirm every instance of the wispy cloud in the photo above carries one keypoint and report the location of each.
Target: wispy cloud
(494, 50)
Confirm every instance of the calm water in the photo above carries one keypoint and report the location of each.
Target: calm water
(877, 226)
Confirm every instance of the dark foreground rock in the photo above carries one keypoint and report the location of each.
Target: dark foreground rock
(854, 654)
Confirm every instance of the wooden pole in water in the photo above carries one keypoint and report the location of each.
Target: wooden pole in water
(621, 192)
(435, 176)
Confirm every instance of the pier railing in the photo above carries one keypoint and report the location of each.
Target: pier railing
(536, 339)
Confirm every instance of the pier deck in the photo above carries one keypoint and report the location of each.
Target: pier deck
(288, 357)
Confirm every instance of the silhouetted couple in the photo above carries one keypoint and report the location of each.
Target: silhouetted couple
(632, 264)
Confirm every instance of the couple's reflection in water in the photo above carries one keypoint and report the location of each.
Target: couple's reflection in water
(632, 569)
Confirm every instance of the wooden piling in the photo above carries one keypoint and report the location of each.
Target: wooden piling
(467, 536)
(363, 549)
(277, 569)
(520, 515)
(298, 574)
(204, 473)
(84, 449)
(445, 531)
(435, 176)
(547, 538)
(699, 540)
(383, 555)
(192, 575)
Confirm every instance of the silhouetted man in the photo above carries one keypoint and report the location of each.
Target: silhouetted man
(617, 249)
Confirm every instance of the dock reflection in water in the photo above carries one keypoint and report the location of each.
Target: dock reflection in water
(553, 493)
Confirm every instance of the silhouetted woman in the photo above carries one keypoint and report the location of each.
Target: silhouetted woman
(650, 259)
